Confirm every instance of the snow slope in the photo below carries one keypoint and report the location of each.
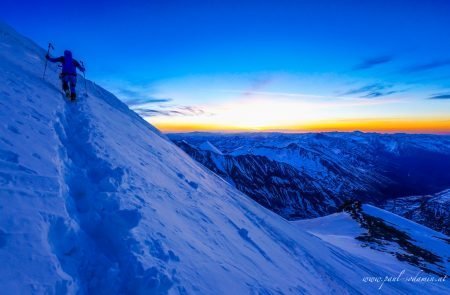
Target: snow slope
(350, 235)
(95, 200)
(340, 230)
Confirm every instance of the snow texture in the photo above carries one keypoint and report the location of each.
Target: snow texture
(94, 200)
(341, 230)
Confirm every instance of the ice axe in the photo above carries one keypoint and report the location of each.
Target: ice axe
(50, 46)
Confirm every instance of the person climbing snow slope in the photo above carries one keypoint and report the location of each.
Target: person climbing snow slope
(68, 74)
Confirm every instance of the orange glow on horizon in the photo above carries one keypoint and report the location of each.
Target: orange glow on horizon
(404, 125)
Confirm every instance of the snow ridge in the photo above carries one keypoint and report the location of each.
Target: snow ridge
(208, 146)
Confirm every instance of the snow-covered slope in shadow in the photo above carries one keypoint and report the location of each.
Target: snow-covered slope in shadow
(378, 236)
(95, 200)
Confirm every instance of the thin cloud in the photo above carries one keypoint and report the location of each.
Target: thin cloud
(144, 112)
(373, 90)
(440, 96)
(372, 62)
(133, 97)
(192, 110)
(146, 100)
(141, 100)
(177, 111)
(376, 94)
(367, 88)
(150, 112)
(427, 66)
(137, 95)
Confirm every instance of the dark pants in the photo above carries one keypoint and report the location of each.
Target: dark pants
(69, 81)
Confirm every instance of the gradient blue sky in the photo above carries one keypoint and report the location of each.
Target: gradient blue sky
(194, 62)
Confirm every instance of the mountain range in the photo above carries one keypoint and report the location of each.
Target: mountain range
(311, 175)
(95, 200)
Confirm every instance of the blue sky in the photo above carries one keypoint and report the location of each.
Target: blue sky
(192, 62)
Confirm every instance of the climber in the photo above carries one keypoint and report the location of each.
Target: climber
(68, 74)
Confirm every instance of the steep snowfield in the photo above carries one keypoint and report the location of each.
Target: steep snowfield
(95, 200)
(341, 230)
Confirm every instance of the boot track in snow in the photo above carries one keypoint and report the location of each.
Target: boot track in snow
(99, 252)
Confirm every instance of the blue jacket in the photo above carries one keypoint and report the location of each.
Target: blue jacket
(69, 65)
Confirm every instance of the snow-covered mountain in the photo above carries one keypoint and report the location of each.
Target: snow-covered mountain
(432, 211)
(275, 185)
(94, 200)
(307, 175)
(379, 235)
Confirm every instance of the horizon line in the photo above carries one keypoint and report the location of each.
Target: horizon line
(284, 131)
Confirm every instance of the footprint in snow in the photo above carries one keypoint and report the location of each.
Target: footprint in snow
(193, 184)
(9, 156)
(3, 238)
(13, 129)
